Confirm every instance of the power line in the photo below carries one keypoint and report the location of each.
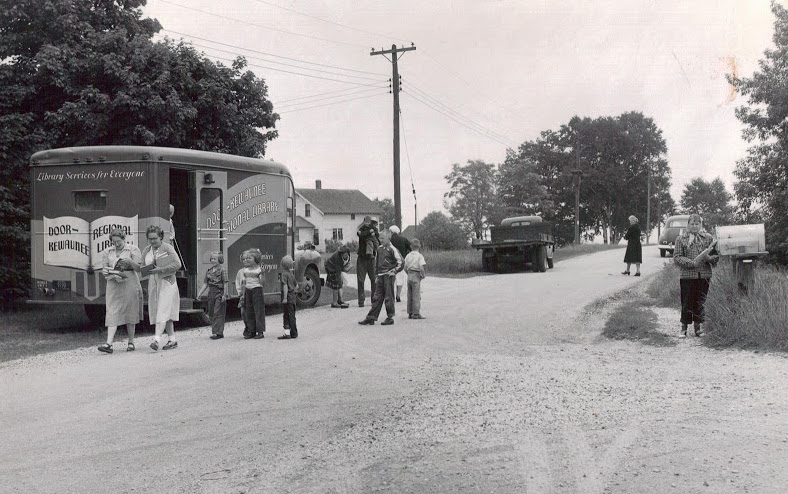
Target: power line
(428, 105)
(320, 94)
(434, 100)
(261, 26)
(272, 54)
(407, 155)
(334, 103)
(334, 23)
(291, 72)
(332, 97)
(287, 64)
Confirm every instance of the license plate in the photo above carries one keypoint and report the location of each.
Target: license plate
(61, 285)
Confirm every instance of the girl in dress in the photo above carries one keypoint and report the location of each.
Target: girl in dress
(254, 303)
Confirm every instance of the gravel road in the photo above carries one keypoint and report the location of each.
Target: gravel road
(507, 387)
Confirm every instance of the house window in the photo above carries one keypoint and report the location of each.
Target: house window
(336, 234)
(307, 210)
(352, 216)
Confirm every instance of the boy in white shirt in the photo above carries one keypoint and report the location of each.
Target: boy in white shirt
(416, 269)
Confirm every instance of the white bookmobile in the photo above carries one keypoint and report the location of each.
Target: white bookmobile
(222, 203)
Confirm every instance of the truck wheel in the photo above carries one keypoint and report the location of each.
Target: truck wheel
(97, 314)
(310, 290)
(535, 259)
(485, 263)
(541, 259)
(550, 262)
(661, 252)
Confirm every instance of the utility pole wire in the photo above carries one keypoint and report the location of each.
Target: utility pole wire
(328, 92)
(329, 104)
(288, 64)
(430, 98)
(428, 105)
(261, 26)
(271, 54)
(394, 51)
(332, 97)
(412, 187)
(334, 23)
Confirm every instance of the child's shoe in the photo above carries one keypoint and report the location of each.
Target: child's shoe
(259, 336)
(388, 322)
(418, 316)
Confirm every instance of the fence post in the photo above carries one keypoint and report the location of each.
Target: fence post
(744, 270)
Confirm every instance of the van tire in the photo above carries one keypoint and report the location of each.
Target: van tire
(310, 289)
(97, 314)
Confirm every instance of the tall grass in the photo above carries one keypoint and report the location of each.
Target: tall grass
(758, 319)
(463, 262)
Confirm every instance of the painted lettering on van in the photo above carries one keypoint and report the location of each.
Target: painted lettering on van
(98, 175)
(246, 195)
(255, 210)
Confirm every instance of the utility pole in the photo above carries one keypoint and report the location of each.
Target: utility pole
(648, 205)
(395, 86)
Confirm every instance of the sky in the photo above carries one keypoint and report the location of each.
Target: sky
(486, 75)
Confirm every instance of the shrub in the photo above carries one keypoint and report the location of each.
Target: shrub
(665, 288)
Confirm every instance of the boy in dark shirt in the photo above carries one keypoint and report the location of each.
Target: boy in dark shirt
(389, 263)
(287, 287)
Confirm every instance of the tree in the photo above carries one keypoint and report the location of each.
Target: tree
(520, 189)
(762, 176)
(75, 73)
(438, 232)
(709, 199)
(471, 199)
(387, 205)
(616, 156)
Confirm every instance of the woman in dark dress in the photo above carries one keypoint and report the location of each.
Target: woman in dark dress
(634, 254)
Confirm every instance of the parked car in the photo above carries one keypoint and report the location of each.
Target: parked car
(673, 228)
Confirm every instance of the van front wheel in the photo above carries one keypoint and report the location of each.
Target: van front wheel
(310, 288)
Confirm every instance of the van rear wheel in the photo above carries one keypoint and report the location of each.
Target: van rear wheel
(97, 314)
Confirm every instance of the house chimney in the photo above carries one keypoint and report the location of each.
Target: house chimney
(318, 184)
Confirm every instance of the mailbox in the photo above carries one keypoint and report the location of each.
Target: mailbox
(741, 240)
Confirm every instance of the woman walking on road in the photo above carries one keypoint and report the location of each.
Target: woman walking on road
(634, 253)
(120, 263)
(695, 254)
(164, 301)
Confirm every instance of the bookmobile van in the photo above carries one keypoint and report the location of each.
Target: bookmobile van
(222, 203)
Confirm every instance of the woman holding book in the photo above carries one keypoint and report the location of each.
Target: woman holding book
(695, 253)
(164, 301)
(119, 265)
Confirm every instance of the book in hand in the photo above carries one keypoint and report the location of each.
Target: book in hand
(162, 259)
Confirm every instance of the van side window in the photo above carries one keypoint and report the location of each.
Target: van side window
(90, 200)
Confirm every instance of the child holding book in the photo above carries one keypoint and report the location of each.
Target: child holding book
(287, 288)
(216, 288)
(253, 301)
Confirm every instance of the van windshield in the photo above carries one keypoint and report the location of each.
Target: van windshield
(678, 224)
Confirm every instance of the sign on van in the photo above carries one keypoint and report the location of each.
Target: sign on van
(76, 243)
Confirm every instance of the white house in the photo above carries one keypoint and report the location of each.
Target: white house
(331, 214)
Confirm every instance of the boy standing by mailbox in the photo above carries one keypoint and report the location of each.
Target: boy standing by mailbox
(389, 263)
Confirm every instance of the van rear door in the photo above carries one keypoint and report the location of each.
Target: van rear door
(211, 187)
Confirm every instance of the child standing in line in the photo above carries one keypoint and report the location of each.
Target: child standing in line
(239, 287)
(416, 269)
(217, 288)
(254, 303)
(287, 287)
(338, 263)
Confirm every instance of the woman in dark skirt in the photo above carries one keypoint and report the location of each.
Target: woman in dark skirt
(634, 254)
(336, 264)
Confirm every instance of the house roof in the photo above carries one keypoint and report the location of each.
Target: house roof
(302, 223)
(340, 201)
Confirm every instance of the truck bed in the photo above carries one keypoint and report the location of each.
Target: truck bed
(519, 235)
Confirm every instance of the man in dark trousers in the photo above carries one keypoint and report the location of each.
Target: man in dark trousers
(389, 263)
(403, 246)
(368, 242)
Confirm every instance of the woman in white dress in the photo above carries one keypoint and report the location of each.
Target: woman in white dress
(120, 263)
(164, 301)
